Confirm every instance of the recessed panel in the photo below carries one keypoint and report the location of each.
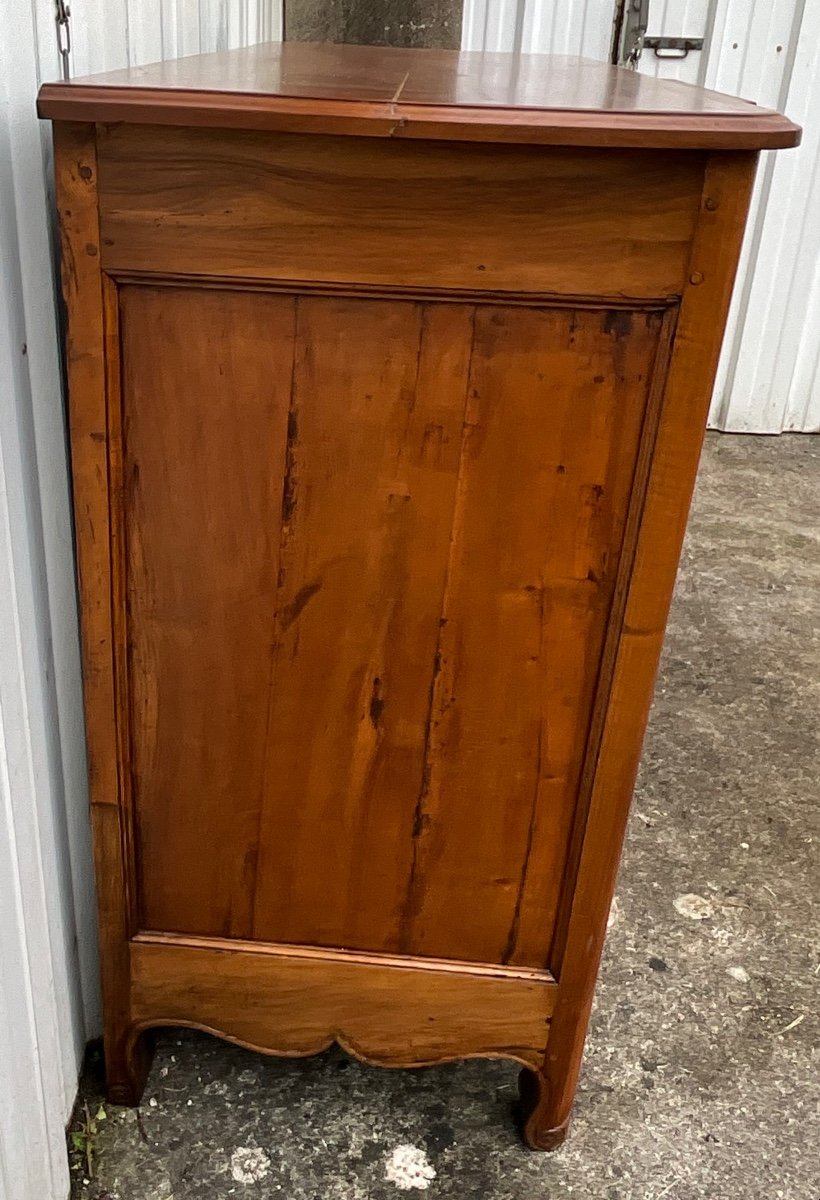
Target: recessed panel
(371, 548)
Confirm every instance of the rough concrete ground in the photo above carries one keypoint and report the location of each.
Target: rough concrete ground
(702, 1075)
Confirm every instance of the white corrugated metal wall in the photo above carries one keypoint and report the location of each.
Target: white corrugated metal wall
(767, 51)
(108, 34)
(46, 892)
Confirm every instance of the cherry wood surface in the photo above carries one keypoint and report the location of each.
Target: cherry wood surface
(298, 1001)
(534, 550)
(204, 418)
(382, 456)
(437, 501)
(391, 92)
(334, 209)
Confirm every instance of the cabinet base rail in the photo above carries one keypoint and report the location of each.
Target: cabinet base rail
(296, 1001)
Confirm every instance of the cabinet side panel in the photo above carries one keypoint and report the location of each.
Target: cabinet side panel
(556, 408)
(205, 393)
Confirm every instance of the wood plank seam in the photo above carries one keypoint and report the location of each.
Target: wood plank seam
(411, 902)
(287, 501)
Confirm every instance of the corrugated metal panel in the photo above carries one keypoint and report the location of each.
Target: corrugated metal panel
(768, 51)
(538, 27)
(768, 378)
(108, 34)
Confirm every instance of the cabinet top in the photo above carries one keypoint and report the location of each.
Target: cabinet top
(388, 92)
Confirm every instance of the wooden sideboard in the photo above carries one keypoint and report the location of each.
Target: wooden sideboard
(388, 372)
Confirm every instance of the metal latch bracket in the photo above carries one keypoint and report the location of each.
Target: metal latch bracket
(672, 47)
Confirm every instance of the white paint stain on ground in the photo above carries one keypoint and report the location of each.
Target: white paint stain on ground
(409, 1167)
(738, 973)
(696, 908)
(249, 1164)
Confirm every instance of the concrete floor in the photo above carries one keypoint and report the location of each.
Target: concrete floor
(701, 1075)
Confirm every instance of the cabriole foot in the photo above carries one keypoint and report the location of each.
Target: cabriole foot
(127, 1064)
(541, 1128)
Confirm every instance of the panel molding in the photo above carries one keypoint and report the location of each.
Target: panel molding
(365, 291)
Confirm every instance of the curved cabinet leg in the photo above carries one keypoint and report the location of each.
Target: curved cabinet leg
(128, 1060)
(542, 1126)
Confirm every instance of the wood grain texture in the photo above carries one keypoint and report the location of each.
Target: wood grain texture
(715, 252)
(393, 624)
(556, 407)
(88, 346)
(612, 637)
(204, 429)
(375, 439)
(347, 209)
(295, 1003)
(395, 93)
